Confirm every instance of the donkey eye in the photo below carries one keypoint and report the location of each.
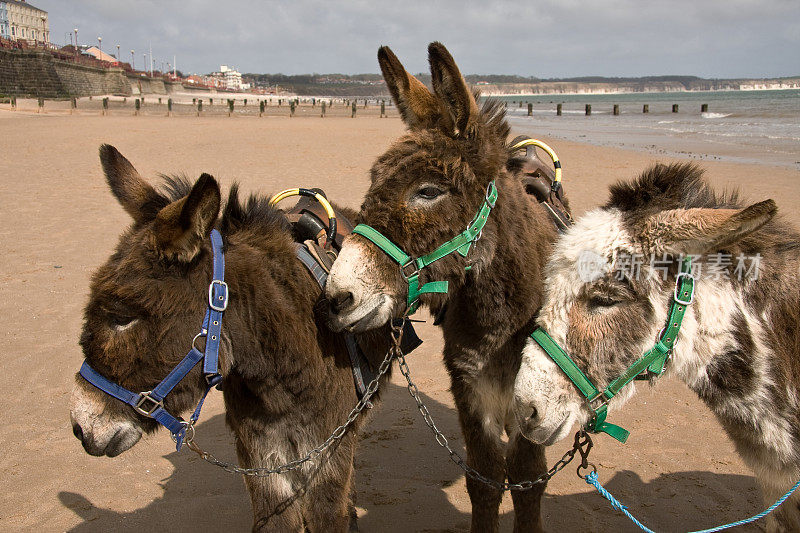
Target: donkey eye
(429, 192)
(120, 322)
(601, 301)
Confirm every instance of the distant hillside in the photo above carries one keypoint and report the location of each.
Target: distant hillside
(373, 84)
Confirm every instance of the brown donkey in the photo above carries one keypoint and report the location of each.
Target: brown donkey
(287, 379)
(426, 189)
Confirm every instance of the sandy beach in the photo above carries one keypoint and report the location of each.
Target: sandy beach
(59, 222)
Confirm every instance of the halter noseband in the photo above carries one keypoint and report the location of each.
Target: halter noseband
(151, 403)
(652, 362)
(411, 267)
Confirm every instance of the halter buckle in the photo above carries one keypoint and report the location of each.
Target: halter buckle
(410, 263)
(599, 396)
(489, 202)
(676, 296)
(147, 410)
(223, 297)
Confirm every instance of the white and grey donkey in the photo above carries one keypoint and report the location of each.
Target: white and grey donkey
(739, 346)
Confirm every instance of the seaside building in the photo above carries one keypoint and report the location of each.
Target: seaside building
(20, 20)
(226, 78)
(99, 54)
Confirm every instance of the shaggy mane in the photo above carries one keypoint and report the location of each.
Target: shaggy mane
(255, 213)
(493, 113)
(669, 186)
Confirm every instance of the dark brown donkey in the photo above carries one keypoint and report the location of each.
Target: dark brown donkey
(287, 379)
(425, 190)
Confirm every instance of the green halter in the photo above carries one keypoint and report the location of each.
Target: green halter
(653, 361)
(410, 267)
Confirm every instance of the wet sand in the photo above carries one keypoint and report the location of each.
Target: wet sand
(58, 222)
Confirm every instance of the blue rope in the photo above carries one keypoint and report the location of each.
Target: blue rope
(591, 479)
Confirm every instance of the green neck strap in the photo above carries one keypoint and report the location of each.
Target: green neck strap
(653, 361)
(410, 267)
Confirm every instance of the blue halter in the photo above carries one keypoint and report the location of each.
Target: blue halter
(151, 403)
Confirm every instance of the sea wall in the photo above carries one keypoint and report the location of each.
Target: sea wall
(144, 85)
(39, 74)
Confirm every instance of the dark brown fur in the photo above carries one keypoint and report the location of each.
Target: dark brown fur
(490, 309)
(287, 379)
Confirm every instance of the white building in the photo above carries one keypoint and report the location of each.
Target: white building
(20, 20)
(232, 78)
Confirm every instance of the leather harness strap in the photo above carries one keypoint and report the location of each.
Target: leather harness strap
(308, 216)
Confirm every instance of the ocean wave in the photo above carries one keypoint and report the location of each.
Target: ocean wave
(715, 115)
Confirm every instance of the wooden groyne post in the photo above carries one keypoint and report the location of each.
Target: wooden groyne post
(353, 110)
(261, 108)
(588, 109)
(645, 108)
(704, 108)
(73, 105)
(137, 105)
(322, 107)
(383, 109)
(230, 107)
(105, 105)
(616, 109)
(169, 107)
(199, 107)
(530, 109)
(292, 106)
(558, 109)
(14, 103)
(41, 105)
(674, 108)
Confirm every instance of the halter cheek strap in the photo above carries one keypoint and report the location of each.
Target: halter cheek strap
(151, 403)
(410, 267)
(652, 362)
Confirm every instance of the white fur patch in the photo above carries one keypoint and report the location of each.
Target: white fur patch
(373, 302)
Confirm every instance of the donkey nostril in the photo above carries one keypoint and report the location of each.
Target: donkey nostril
(341, 301)
(533, 417)
(77, 431)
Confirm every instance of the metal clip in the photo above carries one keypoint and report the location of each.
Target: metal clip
(676, 296)
(145, 397)
(489, 202)
(223, 297)
(412, 263)
(599, 396)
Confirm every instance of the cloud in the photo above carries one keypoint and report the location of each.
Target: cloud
(546, 38)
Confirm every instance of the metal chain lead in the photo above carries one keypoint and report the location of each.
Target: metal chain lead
(583, 443)
(338, 433)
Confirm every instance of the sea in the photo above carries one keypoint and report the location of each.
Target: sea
(761, 127)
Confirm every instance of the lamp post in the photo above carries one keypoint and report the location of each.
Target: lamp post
(100, 47)
(76, 43)
(133, 60)
(118, 58)
(144, 58)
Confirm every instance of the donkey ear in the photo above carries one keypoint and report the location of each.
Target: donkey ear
(415, 102)
(181, 226)
(137, 197)
(452, 90)
(698, 231)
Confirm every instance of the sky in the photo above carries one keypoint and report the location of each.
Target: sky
(542, 38)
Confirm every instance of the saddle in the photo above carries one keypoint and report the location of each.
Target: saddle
(538, 179)
(309, 229)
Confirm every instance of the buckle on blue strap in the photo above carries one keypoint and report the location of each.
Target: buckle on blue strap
(147, 410)
(218, 301)
(678, 281)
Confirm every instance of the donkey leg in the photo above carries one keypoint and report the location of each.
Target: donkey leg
(329, 502)
(484, 454)
(525, 461)
(276, 504)
(786, 518)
